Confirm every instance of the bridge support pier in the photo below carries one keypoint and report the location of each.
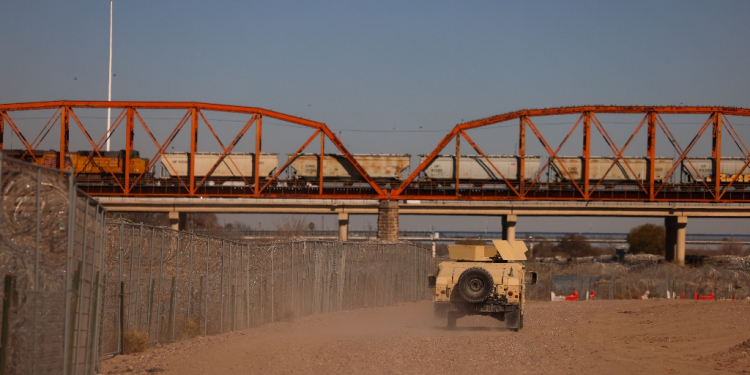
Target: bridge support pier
(388, 221)
(343, 226)
(675, 226)
(177, 220)
(509, 227)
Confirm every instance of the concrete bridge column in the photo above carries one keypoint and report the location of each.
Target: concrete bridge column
(675, 245)
(177, 220)
(388, 221)
(343, 226)
(509, 227)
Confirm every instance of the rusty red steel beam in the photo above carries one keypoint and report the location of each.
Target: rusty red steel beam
(553, 155)
(683, 153)
(93, 145)
(315, 194)
(651, 152)
(732, 111)
(2, 130)
(194, 107)
(159, 105)
(46, 129)
(737, 140)
(161, 147)
(444, 142)
(586, 152)
(337, 142)
(17, 131)
(65, 106)
(289, 160)
(90, 159)
(617, 153)
(716, 151)
(549, 160)
(256, 162)
(226, 150)
(478, 150)
(521, 155)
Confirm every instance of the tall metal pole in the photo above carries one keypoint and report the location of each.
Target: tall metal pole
(586, 153)
(109, 95)
(651, 149)
(716, 153)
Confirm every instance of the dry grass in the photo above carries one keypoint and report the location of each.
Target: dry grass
(136, 341)
(192, 328)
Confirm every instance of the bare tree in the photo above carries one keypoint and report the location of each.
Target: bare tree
(731, 247)
(291, 226)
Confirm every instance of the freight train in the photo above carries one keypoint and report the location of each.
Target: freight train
(92, 168)
(233, 170)
(385, 169)
(477, 169)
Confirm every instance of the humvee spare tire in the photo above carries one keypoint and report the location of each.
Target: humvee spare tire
(475, 284)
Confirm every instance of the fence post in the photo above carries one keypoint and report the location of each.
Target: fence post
(122, 318)
(200, 302)
(247, 288)
(208, 256)
(151, 280)
(161, 284)
(260, 286)
(221, 290)
(92, 325)
(69, 267)
(83, 277)
(364, 289)
(170, 324)
(190, 274)
(233, 305)
(138, 280)
(73, 308)
(150, 305)
(6, 322)
(273, 287)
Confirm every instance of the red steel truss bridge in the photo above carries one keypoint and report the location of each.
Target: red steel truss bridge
(579, 185)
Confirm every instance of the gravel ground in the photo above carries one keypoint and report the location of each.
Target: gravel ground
(593, 337)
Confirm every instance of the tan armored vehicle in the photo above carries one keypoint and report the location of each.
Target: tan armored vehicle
(482, 280)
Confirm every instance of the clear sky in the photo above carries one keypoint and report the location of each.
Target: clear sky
(413, 69)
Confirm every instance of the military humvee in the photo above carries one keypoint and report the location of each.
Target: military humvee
(482, 280)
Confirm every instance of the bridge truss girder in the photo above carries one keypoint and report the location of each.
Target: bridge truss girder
(585, 191)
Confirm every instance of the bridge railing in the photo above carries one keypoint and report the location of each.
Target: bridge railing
(181, 284)
(51, 241)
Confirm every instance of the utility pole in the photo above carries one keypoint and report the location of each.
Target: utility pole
(109, 95)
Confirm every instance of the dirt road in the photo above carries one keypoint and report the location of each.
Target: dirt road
(594, 337)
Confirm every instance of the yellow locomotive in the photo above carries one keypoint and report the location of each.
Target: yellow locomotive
(86, 164)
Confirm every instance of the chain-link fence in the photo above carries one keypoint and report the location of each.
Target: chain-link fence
(51, 241)
(172, 285)
(624, 281)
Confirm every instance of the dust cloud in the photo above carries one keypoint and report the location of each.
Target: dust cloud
(615, 337)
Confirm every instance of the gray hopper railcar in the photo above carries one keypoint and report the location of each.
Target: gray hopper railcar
(477, 169)
(599, 165)
(234, 167)
(697, 169)
(336, 167)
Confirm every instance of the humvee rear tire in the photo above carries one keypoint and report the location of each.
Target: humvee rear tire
(475, 284)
